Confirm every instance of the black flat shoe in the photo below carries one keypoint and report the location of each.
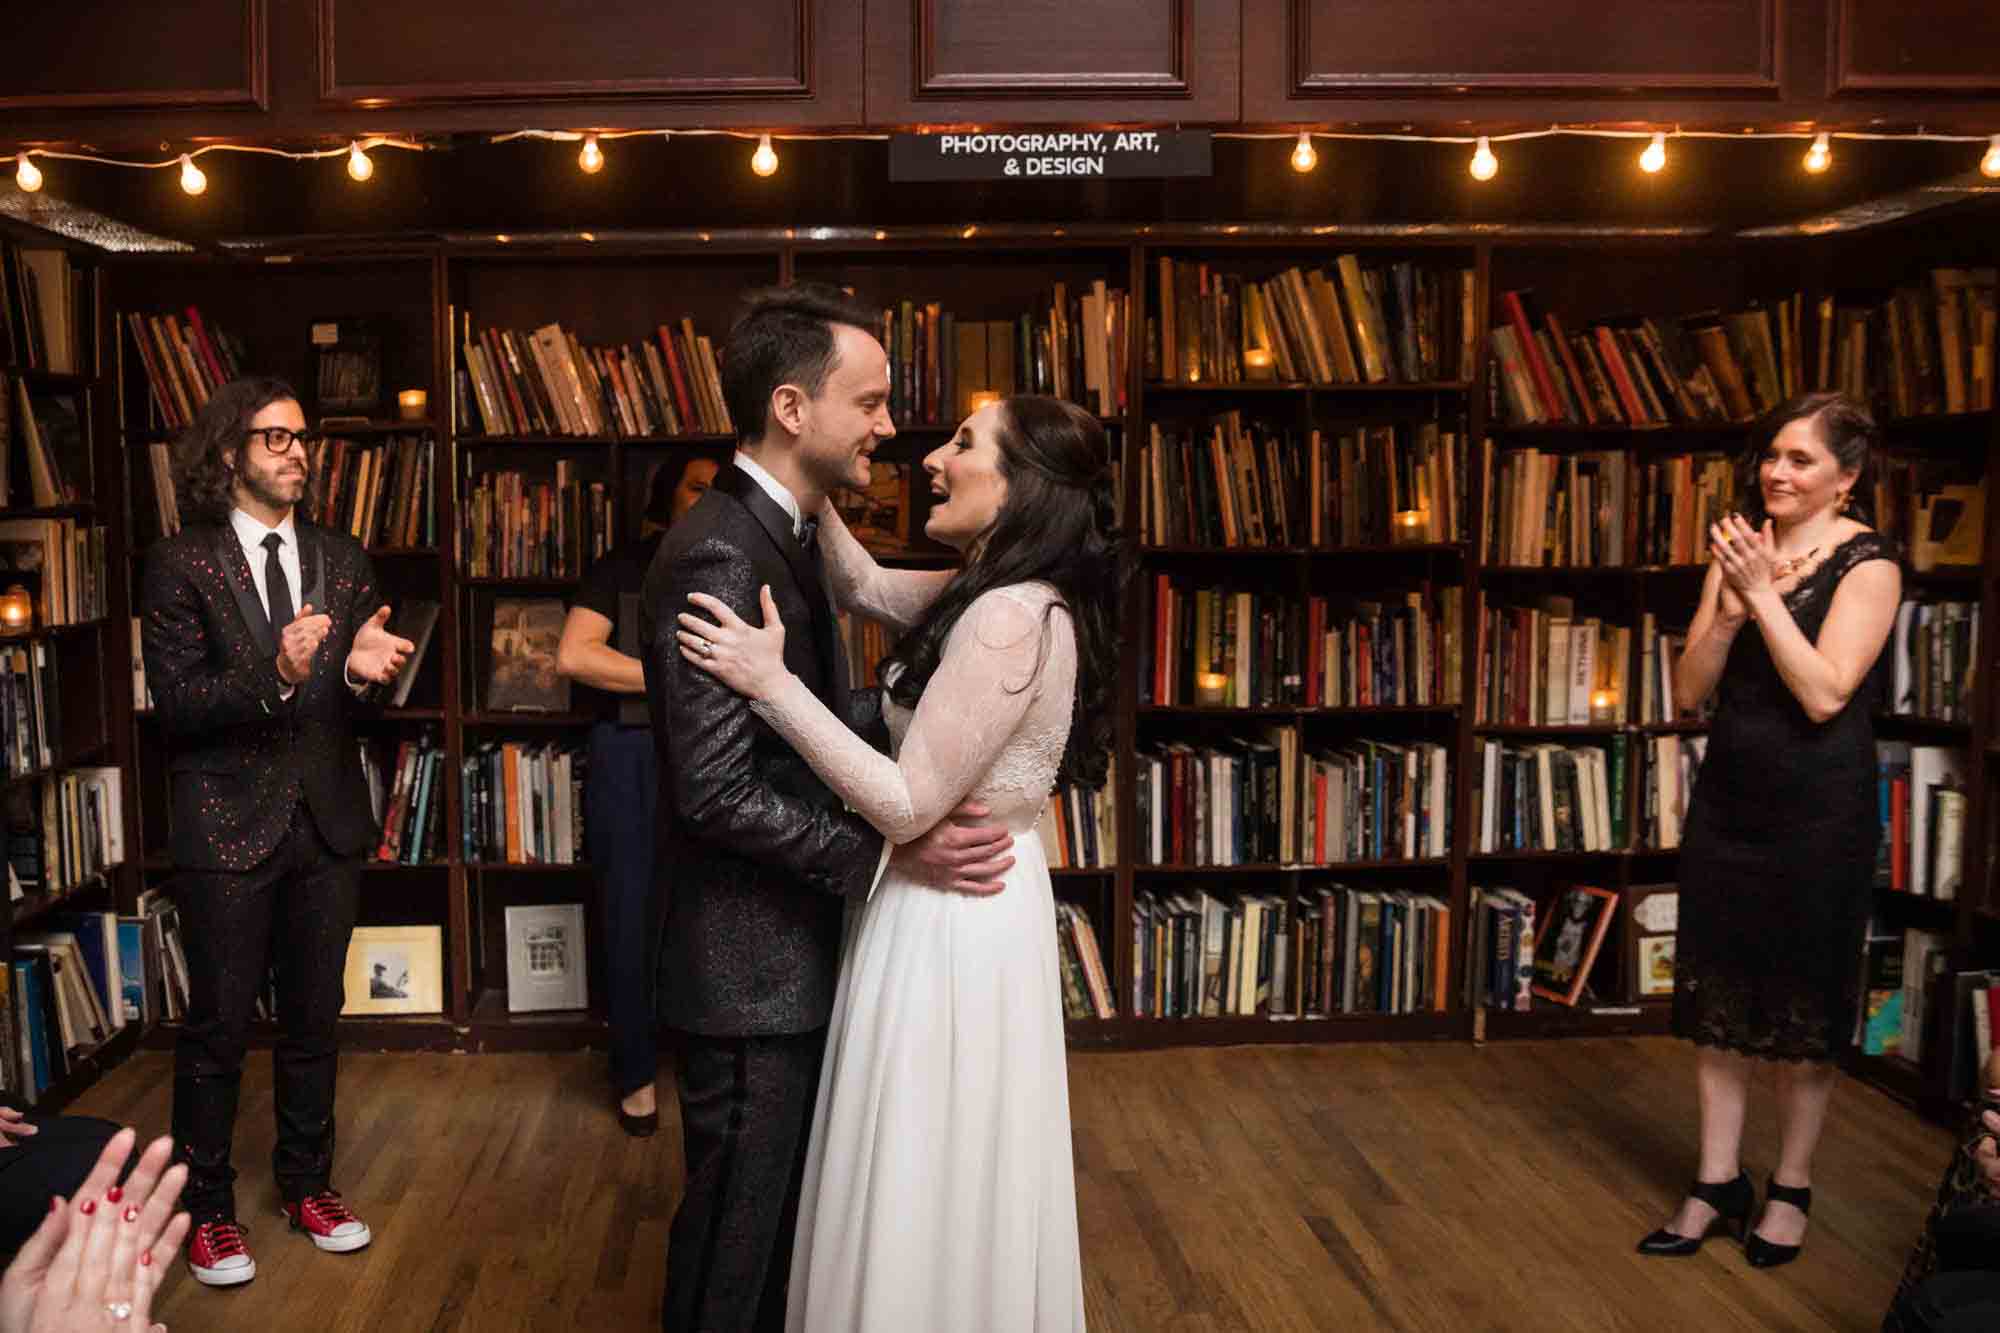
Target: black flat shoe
(1731, 1200)
(1763, 1253)
(638, 1126)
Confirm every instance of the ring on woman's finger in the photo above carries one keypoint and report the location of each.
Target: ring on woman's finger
(118, 1310)
(704, 647)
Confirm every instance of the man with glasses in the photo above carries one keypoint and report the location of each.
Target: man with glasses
(260, 633)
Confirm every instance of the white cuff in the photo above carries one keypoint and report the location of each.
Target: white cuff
(285, 692)
(352, 684)
(881, 868)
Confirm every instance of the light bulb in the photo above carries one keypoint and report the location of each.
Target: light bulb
(765, 160)
(192, 179)
(1484, 164)
(1820, 156)
(1655, 156)
(591, 159)
(29, 176)
(1988, 165)
(358, 164)
(1303, 157)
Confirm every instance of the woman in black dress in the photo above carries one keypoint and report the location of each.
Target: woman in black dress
(1779, 845)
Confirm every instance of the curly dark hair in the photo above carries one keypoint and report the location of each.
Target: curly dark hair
(1845, 428)
(204, 483)
(784, 336)
(1056, 526)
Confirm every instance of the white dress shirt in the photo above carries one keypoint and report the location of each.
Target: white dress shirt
(773, 488)
(252, 532)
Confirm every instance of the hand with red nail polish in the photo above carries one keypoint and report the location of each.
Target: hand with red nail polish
(114, 1194)
(131, 1214)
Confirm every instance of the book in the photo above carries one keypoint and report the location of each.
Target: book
(522, 673)
(546, 962)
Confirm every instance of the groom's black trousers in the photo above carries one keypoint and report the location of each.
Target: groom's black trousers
(746, 1117)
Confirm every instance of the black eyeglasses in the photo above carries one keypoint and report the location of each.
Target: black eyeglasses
(277, 440)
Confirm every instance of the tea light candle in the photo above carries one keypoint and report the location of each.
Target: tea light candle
(17, 610)
(1409, 526)
(1210, 688)
(985, 398)
(1257, 363)
(413, 404)
(1603, 706)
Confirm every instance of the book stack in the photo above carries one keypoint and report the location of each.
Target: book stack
(1500, 950)
(184, 363)
(545, 382)
(1659, 654)
(1266, 801)
(1667, 768)
(49, 427)
(380, 493)
(63, 561)
(62, 1008)
(1078, 827)
(866, 642)
(1932, 653)
(1399, 322)
(64, 831)
(519, 525)
(1086, 983)
(1936, 505)
(1545, 666)
(1562, 510)
(1933, 345)
(1679, 497)
(1920, 792)
(523, 804)
(1551, 798)
(1072, 347)
(30, 707)
(407, 795)
(44, 311)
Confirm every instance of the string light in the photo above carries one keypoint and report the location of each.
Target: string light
(192, 179)
(591, 159)
(1484, 164)
(1988, 165)
(29, 176)
(358, 164)
(765, 160)
(1820, 156)
(1304, 159)
(1655, 156)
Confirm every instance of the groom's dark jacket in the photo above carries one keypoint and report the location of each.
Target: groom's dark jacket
(755, 855)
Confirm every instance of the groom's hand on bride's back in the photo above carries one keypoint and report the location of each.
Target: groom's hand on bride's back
(960, 855)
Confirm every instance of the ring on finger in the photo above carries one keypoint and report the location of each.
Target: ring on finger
(704, 647)
(118, 1310)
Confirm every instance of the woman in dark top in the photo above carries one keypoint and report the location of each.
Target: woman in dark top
(620, 797)
(1779, 847)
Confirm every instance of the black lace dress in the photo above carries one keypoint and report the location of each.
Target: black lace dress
(1778, 851)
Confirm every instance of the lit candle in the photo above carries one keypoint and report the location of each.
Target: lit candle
(1257, 363)
(1410, 525)
(412, 404)
(1210, 688)
(17, 610)
(1603, 706)
(985, 398)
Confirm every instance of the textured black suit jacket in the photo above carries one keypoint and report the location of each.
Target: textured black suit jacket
(240, 757)
(755, 854)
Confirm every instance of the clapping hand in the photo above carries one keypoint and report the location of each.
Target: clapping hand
(1748, 556)
(14, 1127)
(377, 654)
(299, 641)
(96, 1260)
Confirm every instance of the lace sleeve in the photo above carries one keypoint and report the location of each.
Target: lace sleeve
(975, 700)
(896, 597)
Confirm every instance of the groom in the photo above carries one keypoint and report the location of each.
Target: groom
(756, 856)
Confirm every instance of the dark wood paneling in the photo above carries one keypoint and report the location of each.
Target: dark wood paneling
(1445, 48)
(1043, 60)
(135, 54)
(393, 53)
(1882, 46)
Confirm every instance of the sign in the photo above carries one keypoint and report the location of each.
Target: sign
(991, 155)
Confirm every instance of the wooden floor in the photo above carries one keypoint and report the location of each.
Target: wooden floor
(1423, 1186)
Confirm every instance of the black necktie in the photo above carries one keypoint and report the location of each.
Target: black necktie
(809, 535)
(277, 588)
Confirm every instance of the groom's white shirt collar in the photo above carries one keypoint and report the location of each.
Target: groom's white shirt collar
(773, 488)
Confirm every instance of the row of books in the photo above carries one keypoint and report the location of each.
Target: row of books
(545, 382)
(1920, 792)
(1268, 801)
(1555, 509)
(42, 437)
(1933, 653)
(1901, 972)
(407, 796)
(1667, 769)
(43, 309)
(1235, 649)
(1232, 484)
(1078, 827)
(523, 804)
(1551, 798)
(866, 642)
(30, 707)
(63, 561)
(64, 830)
(1935, 504)
(1070, 346)
(520, 525)
(1398, 322)
(1935, 344)
(381, 494)
(184, 362)
(1336, 950)
(1086, 982)
(1548, 666)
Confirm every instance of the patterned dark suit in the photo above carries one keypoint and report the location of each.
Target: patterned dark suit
(756, 859)
(270, 817)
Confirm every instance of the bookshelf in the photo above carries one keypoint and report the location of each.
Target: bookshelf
(614, 292)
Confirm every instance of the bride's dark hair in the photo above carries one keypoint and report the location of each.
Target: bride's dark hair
(1056, 527)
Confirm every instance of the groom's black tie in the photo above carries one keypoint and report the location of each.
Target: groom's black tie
(277, 588)
(809, 537)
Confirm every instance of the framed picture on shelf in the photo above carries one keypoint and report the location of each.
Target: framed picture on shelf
(1652, 918)
(878, 514)
(545, 962)
(395, 970)
(1567, 940)
(523, 666)
(347, 367)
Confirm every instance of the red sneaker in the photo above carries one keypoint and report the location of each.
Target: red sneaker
(216, 1254)
(329, 1221)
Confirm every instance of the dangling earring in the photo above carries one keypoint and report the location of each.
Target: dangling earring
(1846, 501)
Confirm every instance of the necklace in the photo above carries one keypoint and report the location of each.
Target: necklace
(1784, 569)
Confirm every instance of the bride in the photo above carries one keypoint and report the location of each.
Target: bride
(938, 1188)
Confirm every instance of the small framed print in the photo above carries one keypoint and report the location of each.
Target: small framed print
(395, 970)
(545, 962)
(1568, 939)
(878, 514)
(1652, 918)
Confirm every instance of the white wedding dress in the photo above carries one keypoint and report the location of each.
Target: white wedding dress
(939, 1195)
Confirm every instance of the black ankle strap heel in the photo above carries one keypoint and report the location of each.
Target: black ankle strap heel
(1731, 1200)
(1764, 1254)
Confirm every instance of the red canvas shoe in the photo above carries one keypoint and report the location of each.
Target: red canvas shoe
(217, 1256)
(329, 1221)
